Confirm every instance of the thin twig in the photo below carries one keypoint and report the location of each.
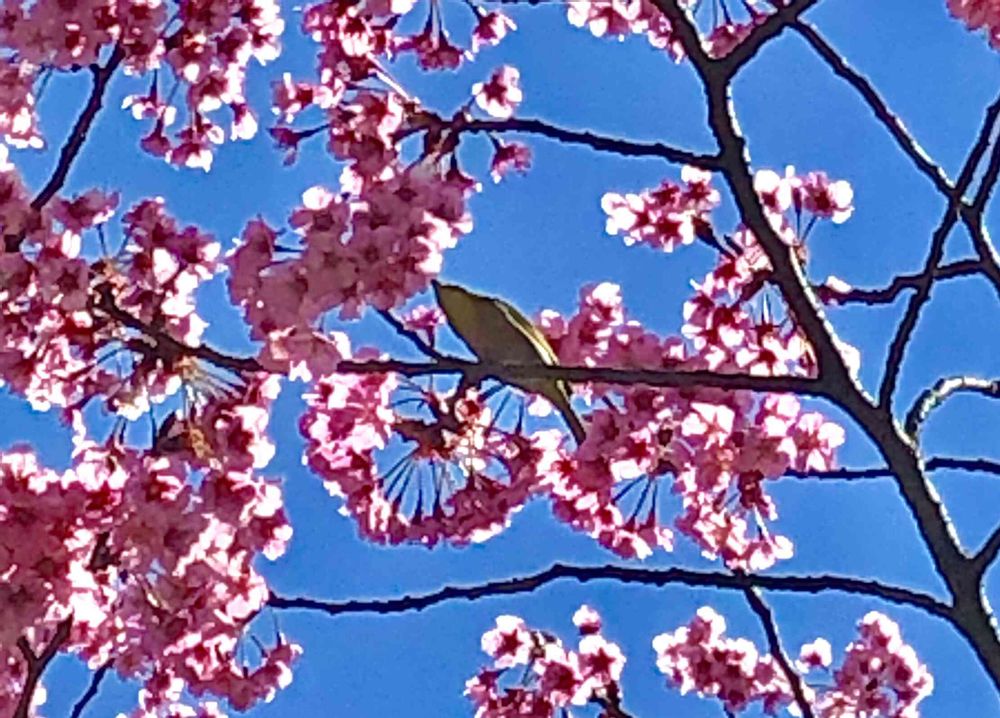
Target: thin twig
(904, 331)
(78, 135)
(986, 466)
(770, 626)
(932, 398)
(411, 336)
(621, 574)
(613, 145)
(891, 121)
(95, 684)
(889, 293)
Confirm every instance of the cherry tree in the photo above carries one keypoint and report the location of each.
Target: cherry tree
(147, 557)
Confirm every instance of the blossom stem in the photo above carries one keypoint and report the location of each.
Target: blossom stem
(766, 616)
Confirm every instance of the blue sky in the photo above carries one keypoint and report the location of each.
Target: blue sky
(536, 240)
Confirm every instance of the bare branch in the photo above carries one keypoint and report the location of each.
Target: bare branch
(988, 256)
(988, 183)
(983, 244)
(908, 323)
(770, 626)
(78, 135)
(613, 145)
(891, 121)
(95, 684)
(611, 708)
(985, 466)
(621, 574)
(933, 397)
(582, 374)
(899, 284)
(972, 217)
(36, 665)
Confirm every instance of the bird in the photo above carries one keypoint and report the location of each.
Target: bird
(498, 333)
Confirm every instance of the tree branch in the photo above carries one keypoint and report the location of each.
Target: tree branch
(899, 284)
(774, 25)
(172, 347)
(930, 399)
(582, 374)
(37, 664)
(985, 466)
(972, 616)
(95, 684)
(988, 553)
(614, 145)
(78, 135)
(988, 256)
(886, 117)
(904, 331)
(621, 574)
(770, 626)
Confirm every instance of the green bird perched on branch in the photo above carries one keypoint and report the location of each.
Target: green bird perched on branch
(497, 333)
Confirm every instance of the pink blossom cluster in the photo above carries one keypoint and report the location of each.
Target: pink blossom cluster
(716, 448)
(675, 214)
(48, 338)
(700, 657)
(209, 54)
(358, 41)
(153, 280)
(415, 465)
(207, 46)
(18, 121)
(620, 18)
(879, 676)
(155, 573)
(501, 94)
(665, 217)
(813, 193)
(377, 249)
(62, 315)
(979, 15)
(554, 676)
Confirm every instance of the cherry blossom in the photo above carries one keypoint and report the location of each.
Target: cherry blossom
(699, 657)
(558, 676)
(978, 15)
(501, 94)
